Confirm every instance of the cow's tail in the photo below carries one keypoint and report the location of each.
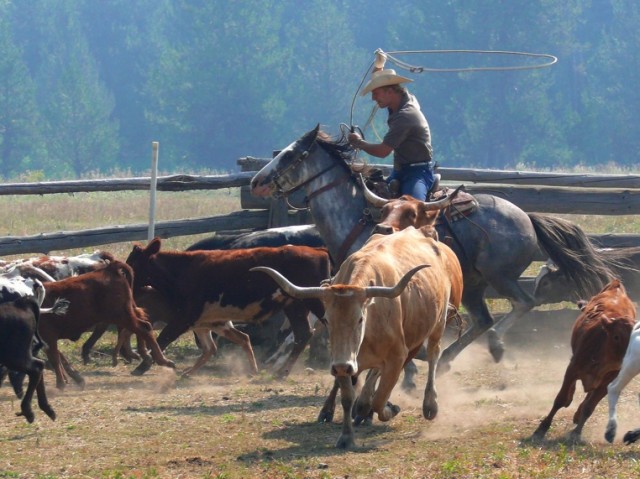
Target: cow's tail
(570, 249)
(126, 271)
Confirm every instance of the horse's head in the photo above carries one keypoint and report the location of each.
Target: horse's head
(288, 171)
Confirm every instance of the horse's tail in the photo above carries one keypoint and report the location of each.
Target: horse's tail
(570, 249)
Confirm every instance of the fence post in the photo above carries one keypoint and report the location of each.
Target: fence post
(152, 190)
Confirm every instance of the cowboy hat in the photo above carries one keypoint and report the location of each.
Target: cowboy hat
(383, 78)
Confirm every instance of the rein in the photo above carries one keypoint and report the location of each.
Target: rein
(360, 225)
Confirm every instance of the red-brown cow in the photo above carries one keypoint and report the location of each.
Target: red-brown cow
(213, 287)
(102, 296)
(598, 342)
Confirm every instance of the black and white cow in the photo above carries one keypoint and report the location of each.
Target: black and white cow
(20, 301)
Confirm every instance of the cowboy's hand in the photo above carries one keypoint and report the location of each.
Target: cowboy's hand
(381, 59)
(355, 140)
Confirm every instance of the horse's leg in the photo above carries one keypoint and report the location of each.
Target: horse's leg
(630, 369)
(474, 303)
(521, 303)
(298, 316)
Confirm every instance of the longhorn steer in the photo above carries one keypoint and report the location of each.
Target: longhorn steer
(384, 302)
(598, 343)
(214, 287)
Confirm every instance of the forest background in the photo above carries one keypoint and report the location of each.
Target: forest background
(87, 85)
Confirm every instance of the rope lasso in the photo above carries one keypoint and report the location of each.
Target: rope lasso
(549, 61)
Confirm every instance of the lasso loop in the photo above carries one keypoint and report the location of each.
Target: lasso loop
(548, 61)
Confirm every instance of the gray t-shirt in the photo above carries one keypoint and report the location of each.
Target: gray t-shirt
(408, 134)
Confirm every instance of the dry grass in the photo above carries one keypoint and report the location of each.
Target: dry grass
(29, 215)
(221, 424)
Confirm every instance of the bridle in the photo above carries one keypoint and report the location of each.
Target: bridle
(281, 192)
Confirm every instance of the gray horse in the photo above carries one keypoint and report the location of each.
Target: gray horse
(494, 245)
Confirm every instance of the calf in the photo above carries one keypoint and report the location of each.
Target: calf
(213, 287)
(102, 296)
(384, 302)
(598, 342)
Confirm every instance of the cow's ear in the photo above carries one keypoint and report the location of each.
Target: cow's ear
(154, 246)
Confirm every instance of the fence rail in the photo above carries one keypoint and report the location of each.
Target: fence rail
(532, 191)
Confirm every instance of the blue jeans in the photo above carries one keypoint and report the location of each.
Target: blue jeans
(415, 180)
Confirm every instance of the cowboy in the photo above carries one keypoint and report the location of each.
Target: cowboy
(408, 136)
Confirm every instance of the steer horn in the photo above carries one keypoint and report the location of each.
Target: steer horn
(288, 287)
(370, 196)
(444, 202)
(392, 292)
(379, 201)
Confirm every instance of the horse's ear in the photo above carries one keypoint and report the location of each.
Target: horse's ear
(310, 137)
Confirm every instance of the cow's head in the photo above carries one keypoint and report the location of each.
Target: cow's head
(346, 309)
(140, 259)
(398, 214)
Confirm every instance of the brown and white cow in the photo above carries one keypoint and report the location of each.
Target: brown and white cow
(213, 287)
(598, 343)
(161, 311)
(101, 296)
(384, 302)
(61, 267)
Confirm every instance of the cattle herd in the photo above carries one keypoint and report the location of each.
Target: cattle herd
(380, 307)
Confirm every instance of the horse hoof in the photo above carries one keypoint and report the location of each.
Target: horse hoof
(408, 386)
(631, 436)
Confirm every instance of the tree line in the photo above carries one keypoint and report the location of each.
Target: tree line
(86, 85)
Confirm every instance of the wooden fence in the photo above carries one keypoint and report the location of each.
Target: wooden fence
(532, 191)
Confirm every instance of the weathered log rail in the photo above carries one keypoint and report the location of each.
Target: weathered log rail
(532, 191)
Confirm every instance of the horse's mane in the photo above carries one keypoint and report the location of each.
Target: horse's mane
(338, 147)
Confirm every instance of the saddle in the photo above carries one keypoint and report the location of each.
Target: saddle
(462, 205)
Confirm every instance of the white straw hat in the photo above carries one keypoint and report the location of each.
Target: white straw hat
(383, 78)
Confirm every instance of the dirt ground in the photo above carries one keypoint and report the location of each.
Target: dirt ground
(222, 424)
